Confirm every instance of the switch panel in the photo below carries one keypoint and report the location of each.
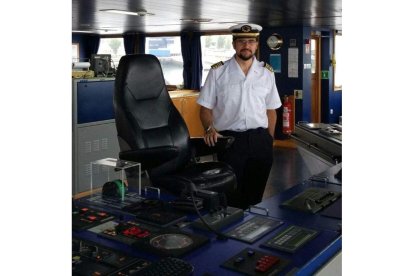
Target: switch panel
(298, 94)
(254, 262)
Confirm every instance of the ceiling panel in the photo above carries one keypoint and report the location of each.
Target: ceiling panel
(86, 14)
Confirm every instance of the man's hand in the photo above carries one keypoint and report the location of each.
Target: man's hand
(211, 136)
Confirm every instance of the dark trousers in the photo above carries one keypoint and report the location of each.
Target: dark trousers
(251, 157)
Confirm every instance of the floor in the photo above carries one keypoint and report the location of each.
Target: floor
(288, 169)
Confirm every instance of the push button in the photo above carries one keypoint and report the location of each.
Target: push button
(239, 260)
(266, 262)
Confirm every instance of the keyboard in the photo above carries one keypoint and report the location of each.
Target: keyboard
(167, 267)
(312, 200)
(253, 229)
(291, 238)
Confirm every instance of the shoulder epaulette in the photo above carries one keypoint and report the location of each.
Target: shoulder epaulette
(217, 65)
(268, 67)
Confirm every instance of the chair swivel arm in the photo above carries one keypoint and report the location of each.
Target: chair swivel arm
(150, 158)
(200, 148)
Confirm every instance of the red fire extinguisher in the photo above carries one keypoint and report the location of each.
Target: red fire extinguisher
(287, 116)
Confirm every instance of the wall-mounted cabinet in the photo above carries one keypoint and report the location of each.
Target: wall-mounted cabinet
(186, 103)
(93, 129)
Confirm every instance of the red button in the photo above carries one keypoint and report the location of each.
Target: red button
(261, 268)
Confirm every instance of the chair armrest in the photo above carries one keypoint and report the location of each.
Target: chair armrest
(200, 148)
(150, 158)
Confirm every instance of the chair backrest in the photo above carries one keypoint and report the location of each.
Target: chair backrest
(144, 113)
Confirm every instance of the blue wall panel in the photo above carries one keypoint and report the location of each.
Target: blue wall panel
(335, 103)
(285, 85)
(330, 100)
(95, 101)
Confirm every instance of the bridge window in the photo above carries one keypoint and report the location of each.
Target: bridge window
(168, 51)
(215, 48)
(338, 59)
(113, 46)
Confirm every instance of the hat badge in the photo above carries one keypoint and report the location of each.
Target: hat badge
(246, 28)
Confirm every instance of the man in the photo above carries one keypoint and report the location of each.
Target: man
(239, 99)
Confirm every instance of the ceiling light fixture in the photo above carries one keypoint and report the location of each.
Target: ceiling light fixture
(80, 31)
(196, 20)
(106, 29)
(138, 12)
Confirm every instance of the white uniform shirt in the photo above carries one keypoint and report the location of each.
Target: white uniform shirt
(239, 102)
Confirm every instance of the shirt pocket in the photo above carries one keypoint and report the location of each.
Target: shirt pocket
(258, 95)
(229, 94)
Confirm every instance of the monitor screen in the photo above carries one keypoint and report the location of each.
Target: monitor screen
(101, 64)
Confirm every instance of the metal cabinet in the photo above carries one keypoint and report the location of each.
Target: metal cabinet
(94, 133)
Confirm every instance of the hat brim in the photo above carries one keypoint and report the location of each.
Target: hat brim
(246, 34)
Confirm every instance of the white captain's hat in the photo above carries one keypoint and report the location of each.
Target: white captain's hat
(245, 30)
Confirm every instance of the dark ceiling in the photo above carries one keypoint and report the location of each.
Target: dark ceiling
(168, 15)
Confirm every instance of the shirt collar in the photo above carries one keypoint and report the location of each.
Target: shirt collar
(253, 68)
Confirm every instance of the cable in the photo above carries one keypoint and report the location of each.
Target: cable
(219, 235)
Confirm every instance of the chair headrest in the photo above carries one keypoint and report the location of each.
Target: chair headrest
(141, 75)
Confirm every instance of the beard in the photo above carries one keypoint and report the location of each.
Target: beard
(245, 54)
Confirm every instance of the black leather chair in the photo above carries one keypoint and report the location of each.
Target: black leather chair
(151, 131)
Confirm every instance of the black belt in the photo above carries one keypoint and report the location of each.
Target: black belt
(239, 133)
